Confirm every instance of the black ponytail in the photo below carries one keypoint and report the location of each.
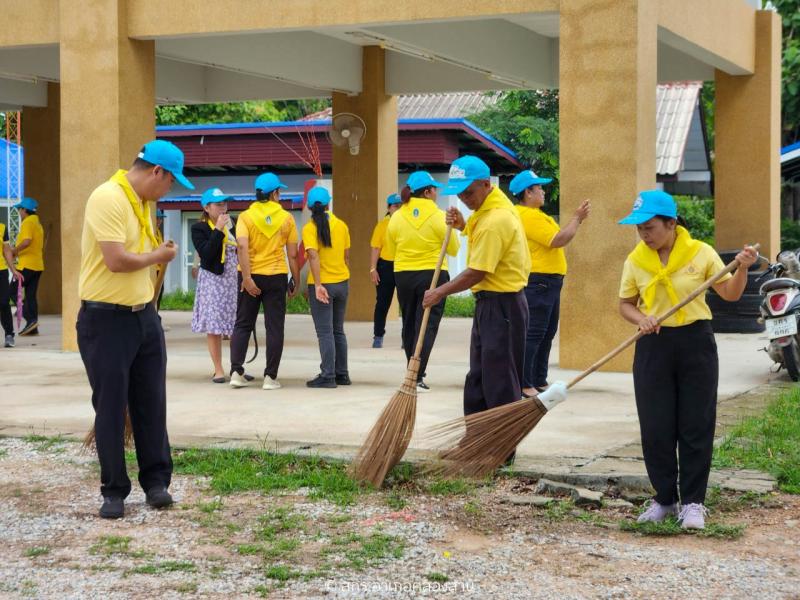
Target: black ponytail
(321, 221)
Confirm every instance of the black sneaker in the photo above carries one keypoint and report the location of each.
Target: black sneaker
(320, 382)
(343, 380)
(9, 341)
(422, 387)
(112, 508)
(158, 497)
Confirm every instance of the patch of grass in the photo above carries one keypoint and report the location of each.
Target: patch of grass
(46, 443)
(209, 507)
(560, 510)
(339, 519)
(281, 548)
(249, 549)
(401, 474)
(473, 509)
(375, 548)
(670, 526)
(189, 587)
(720, 501)
(168, 566)
(298, 305)
(178, 300)
(237, 470)
(769, 442)
(437, 577)
(281, 573)
(111, 544)
(450, 487)
(36, 551)
(460, 306)
(396, 500)
(278, 520)
(3, 452)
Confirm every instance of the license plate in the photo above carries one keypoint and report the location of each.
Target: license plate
(781, 327)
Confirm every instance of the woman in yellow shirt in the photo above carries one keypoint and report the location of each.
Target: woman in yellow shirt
(675, 371)
(415, 236)
(381, 271)
(326, 240)
(29, 252)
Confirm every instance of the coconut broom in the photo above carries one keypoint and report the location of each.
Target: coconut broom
(480, 443)
(89, 439)
(388, 439)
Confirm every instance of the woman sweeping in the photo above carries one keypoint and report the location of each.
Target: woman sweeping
(675, 369)
(326, 239)
(415, 236)
(215, 298)
(381, 271)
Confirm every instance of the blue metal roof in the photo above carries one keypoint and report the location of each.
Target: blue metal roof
(790, 148)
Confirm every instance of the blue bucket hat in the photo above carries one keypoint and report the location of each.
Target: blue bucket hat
(168, 156)
(28, 204)
(649, 204)
(463, 172)
(318, 195)
(269, 182)
(214, 195)
(393, 199)
(421, 179)
(525, 179)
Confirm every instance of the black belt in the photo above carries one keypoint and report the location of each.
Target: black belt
(109, 306)
(551, 275)
(484, 294)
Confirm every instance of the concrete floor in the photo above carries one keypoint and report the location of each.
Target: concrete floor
(44, 390)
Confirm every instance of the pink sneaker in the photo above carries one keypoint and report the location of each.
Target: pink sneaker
(658, 512)
(693, 516)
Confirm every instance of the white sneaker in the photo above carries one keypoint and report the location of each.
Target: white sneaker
(238, 381)
(658, 512)
(270, 383)
(693, 516)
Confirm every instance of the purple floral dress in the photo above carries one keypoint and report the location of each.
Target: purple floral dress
(215, 298)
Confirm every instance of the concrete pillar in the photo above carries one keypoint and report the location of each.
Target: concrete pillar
(361, 182)
(608, 130)
(747, 140)
(108, 99)
(40, 137)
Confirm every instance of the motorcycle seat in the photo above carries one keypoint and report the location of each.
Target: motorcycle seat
(779, 284)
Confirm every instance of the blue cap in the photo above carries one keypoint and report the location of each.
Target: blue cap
(168, 156)
(28, 204)
(214, 195)
(649, 204)
(463, 172)
(421, 179)
(269, 182)
(393, 199)
(318, 195)
(525, 179)
(160, 214)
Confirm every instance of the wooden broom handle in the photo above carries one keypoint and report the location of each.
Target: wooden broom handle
(434, 282)
(730, 267)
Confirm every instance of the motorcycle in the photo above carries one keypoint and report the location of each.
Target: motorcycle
(780, 311)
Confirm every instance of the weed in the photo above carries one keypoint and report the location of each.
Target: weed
(189, 587)
(450, 487)
(46, 443)
(437, 577)
(36, 551)
(473, 509)
(278, 520)
(558, 511)
(3, 452)
(396, 500)
(671, 526)
(210, 507)
(281, 573)
(339, 519)
(168, 566)
(249, 549)
(281, 548)
(111, 544)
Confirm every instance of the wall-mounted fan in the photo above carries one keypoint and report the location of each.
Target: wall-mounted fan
(347, 130)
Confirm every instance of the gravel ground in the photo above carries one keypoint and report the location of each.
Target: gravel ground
(52, 545)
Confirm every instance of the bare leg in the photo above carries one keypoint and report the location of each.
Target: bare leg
(215, 350)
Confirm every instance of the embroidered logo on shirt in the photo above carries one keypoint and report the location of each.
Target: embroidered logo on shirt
(269, 220)
(416, 213)
(457, 172)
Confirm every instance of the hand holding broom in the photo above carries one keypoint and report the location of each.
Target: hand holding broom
(388, 439)
(491, 436)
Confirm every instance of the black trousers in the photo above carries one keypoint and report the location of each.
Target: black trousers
(411, 287)
(497, 351)
(5, 308)
(384, 292)
(30, 306)
(273, 298)
(543, 293)
(126, 362)
(675, 376)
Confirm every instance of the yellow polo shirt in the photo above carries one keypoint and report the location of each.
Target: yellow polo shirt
(415, 235)
(3, 241)
(685, 280)
(109, 217)
(266, 254)
(497, 245)
(31, 257)
(378, 239)
(540, 229)
(332, 265)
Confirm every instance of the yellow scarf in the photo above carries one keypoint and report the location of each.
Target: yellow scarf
(495, 199)
(683, 251)
(418, 210)
(140, 208)
(226, 242)
(269, 217)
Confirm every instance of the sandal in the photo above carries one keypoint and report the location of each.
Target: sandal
(218, 379)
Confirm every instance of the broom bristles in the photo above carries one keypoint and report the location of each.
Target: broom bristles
(91, 436)
(478, 444)
(388, 439)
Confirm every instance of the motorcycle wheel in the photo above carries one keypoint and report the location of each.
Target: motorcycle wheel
(791, 361)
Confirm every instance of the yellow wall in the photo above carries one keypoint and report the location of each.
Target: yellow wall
(607, 114)
(29, 22)
(41, 131)
(747, 142)
(362, 182)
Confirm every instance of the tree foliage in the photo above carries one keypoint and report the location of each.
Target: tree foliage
(237, 112)
(790, 68)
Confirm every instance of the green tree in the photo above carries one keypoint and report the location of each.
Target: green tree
(237, 112)
(789, 11)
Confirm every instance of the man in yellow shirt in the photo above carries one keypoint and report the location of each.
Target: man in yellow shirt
(546, 241)
(119, 332)
(498, 263)
(267, 237)
(6, 264)
(30, 262)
